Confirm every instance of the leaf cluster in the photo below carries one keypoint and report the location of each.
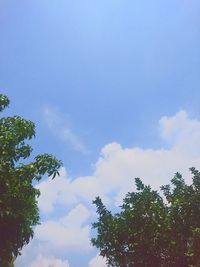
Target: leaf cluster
(152, 229)
(18, 197)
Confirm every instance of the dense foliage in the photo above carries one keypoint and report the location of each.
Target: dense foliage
(18, 197)
(153, 229)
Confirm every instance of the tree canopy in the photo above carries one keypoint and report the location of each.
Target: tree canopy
(18, 197)
(153, 228)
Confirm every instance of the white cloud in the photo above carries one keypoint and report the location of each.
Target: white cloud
(98, 261)
(63, 191)
(181, 132)
(42, 261)
(68, 232)
(117, 166)
(54, 191)
(59, 126)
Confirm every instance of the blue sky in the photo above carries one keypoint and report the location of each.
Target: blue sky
(111, 86)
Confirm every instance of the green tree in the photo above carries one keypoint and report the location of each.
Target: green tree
(18, 197)
(184, 220)
(152, 230)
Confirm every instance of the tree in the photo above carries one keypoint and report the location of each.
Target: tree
(18, 197)
(152, 230)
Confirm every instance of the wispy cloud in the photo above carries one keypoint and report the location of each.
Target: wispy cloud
(59, 126)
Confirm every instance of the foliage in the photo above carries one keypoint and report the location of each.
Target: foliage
(152, 229)
(18, 197)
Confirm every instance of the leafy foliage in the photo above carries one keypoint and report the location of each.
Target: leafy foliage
(18, 197)
(152, 230)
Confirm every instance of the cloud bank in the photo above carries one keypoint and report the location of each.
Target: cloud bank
(112, 179)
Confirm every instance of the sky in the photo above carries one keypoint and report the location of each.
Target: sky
(113, 88)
